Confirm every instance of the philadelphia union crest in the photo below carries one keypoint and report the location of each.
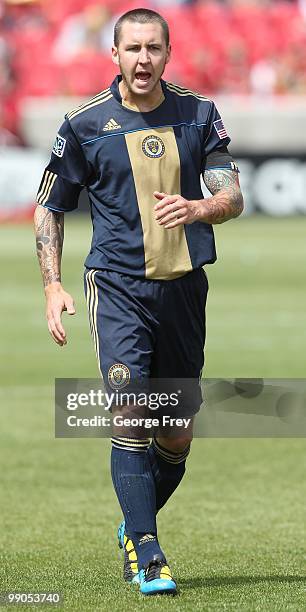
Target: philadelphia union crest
(153, 146)
(118, 376)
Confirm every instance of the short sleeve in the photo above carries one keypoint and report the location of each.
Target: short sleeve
(216, 134)
(66, 174)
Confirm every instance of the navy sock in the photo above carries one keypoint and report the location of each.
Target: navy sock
(168, 469)
(135, 488)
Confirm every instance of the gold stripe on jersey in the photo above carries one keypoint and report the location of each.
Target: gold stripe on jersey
(50, 185)
(166, 251)
(92, 305)
(90, 101)
(48, 181)
(92, 105)
(185, 90)
(44, 181)
(182, 91)
(181, 88)
(102, 97)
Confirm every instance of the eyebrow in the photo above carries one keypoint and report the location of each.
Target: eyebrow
(135, 43)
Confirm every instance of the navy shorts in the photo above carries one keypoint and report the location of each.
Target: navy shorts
(147, 329)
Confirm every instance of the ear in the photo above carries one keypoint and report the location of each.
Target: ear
(115, 56)
(168, 56)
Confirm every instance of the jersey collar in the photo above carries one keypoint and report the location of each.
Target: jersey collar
(116, 93)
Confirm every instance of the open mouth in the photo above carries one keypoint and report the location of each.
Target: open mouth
(143, 77)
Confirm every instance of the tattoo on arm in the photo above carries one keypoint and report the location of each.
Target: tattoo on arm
(49, 230)
(227, 200)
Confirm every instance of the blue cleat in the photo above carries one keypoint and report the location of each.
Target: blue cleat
(121, 529)
(156, 578)
(130, 567)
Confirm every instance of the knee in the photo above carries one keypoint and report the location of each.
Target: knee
(175, 445)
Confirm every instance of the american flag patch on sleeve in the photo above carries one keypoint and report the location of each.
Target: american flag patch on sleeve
(220, 129)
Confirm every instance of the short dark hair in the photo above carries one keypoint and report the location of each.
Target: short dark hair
(141, 15)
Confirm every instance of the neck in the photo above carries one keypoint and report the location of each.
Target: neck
(142, 102)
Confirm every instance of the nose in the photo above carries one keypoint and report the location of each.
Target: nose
(143, 57)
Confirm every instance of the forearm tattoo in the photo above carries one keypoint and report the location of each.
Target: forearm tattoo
(49, 230)
(227, 200)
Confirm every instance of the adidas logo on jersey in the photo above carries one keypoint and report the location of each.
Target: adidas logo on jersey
(111, 125)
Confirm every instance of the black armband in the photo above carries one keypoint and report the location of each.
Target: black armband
(220, 159)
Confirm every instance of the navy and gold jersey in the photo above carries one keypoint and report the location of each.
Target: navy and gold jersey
(122, 156)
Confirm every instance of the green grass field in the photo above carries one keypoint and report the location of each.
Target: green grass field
(234, 532)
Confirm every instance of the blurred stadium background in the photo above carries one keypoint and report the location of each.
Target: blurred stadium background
(244, 499)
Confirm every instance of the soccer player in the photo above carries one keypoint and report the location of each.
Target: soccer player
(139, 147)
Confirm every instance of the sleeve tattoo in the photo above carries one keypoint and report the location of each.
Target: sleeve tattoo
(227, 200)
(49, 230)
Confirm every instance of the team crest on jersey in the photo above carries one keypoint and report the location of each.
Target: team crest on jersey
(118, 376)
(59, 146)
(153, 146)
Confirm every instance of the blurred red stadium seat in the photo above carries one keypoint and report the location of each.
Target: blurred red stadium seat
(88, 74)
(214, 45)
(41, 77)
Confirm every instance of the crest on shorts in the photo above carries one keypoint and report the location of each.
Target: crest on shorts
(118, 376)
(59, 146)
(153, 146)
